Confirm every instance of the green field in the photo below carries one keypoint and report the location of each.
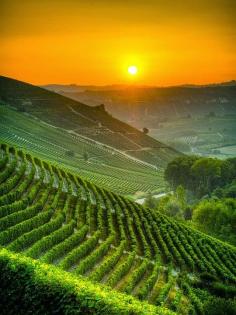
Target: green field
(211, 136)
(57, 218)
(86, 140)
(106, 166)
(80, 119)
(229, 150)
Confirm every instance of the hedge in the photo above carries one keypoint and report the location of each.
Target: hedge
(30, 287)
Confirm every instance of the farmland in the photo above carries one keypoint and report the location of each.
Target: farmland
(109, 167)
(197, 119)
(210, 136)
(118, 158)
(86, 140)
(94, 123)
(56, 217)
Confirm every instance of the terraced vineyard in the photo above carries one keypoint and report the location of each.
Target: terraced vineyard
(106, 166)
(49, 214)
(94, 123)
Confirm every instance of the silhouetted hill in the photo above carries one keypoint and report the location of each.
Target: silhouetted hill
(140, 104)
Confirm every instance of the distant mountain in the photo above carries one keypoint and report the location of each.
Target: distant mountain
(80, 88)
(148, 106)
(77, 88)
(228, 83)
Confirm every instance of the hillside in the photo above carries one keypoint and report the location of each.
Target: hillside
(105, 165)
(149, 103)
(56, 217)
(93, 122)
(198, 119)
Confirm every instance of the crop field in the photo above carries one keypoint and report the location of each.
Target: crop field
(54, 216)
(105, 166)
(200, 135)
(228, 150)
(83, 121)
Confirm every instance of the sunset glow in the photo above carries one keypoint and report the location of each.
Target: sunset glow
(91, 42)
(132, 70)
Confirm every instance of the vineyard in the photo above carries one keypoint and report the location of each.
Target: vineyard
(105, 166)
(49, 214)
(94, 123)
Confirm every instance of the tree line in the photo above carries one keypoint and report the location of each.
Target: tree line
(201, 175)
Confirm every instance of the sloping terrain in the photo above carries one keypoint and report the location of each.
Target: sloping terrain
(147, 104)
(54, 216)
(198, 119)
(104, 165)
(93, 122)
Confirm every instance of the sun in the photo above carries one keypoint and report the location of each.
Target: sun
(132, 70)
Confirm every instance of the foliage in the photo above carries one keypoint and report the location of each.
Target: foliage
(217, 216)
(199, 174)
(29, 285)
(59, 218)
(70, 153)
(85, 156)
(150, 201)
(228, 191)
(178, 172)
(219, 306)
(116, 171)
(145, 130)
(174, 204)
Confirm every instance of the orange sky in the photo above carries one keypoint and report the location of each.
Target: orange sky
(94, 41)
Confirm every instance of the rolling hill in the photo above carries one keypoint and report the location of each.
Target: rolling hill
(145, 104)
(84, 139)
(108, 255)
(104, 165)
(92, 122)
(198, 119)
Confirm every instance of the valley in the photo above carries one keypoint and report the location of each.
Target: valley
(192, 119)
(117, 157)
(69, 175)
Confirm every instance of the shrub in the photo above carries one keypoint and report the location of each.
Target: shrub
(30, 287)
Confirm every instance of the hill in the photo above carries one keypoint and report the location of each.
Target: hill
(56, 217)
(198, 119)
(99, 163)
(93, 122)
(146, 103)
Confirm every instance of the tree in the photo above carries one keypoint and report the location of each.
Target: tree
(200, 175)
(85, 156)
(21, 109)
(150, 202)
(232, 162)
(178, 172)
(219, 306)
(145, 130)
(100, 107)
(70, 153)
(188, 212)
(217, 216)
(211, 114)
(207, 174)
(171, 205)
(181, 196)
(173, 208)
